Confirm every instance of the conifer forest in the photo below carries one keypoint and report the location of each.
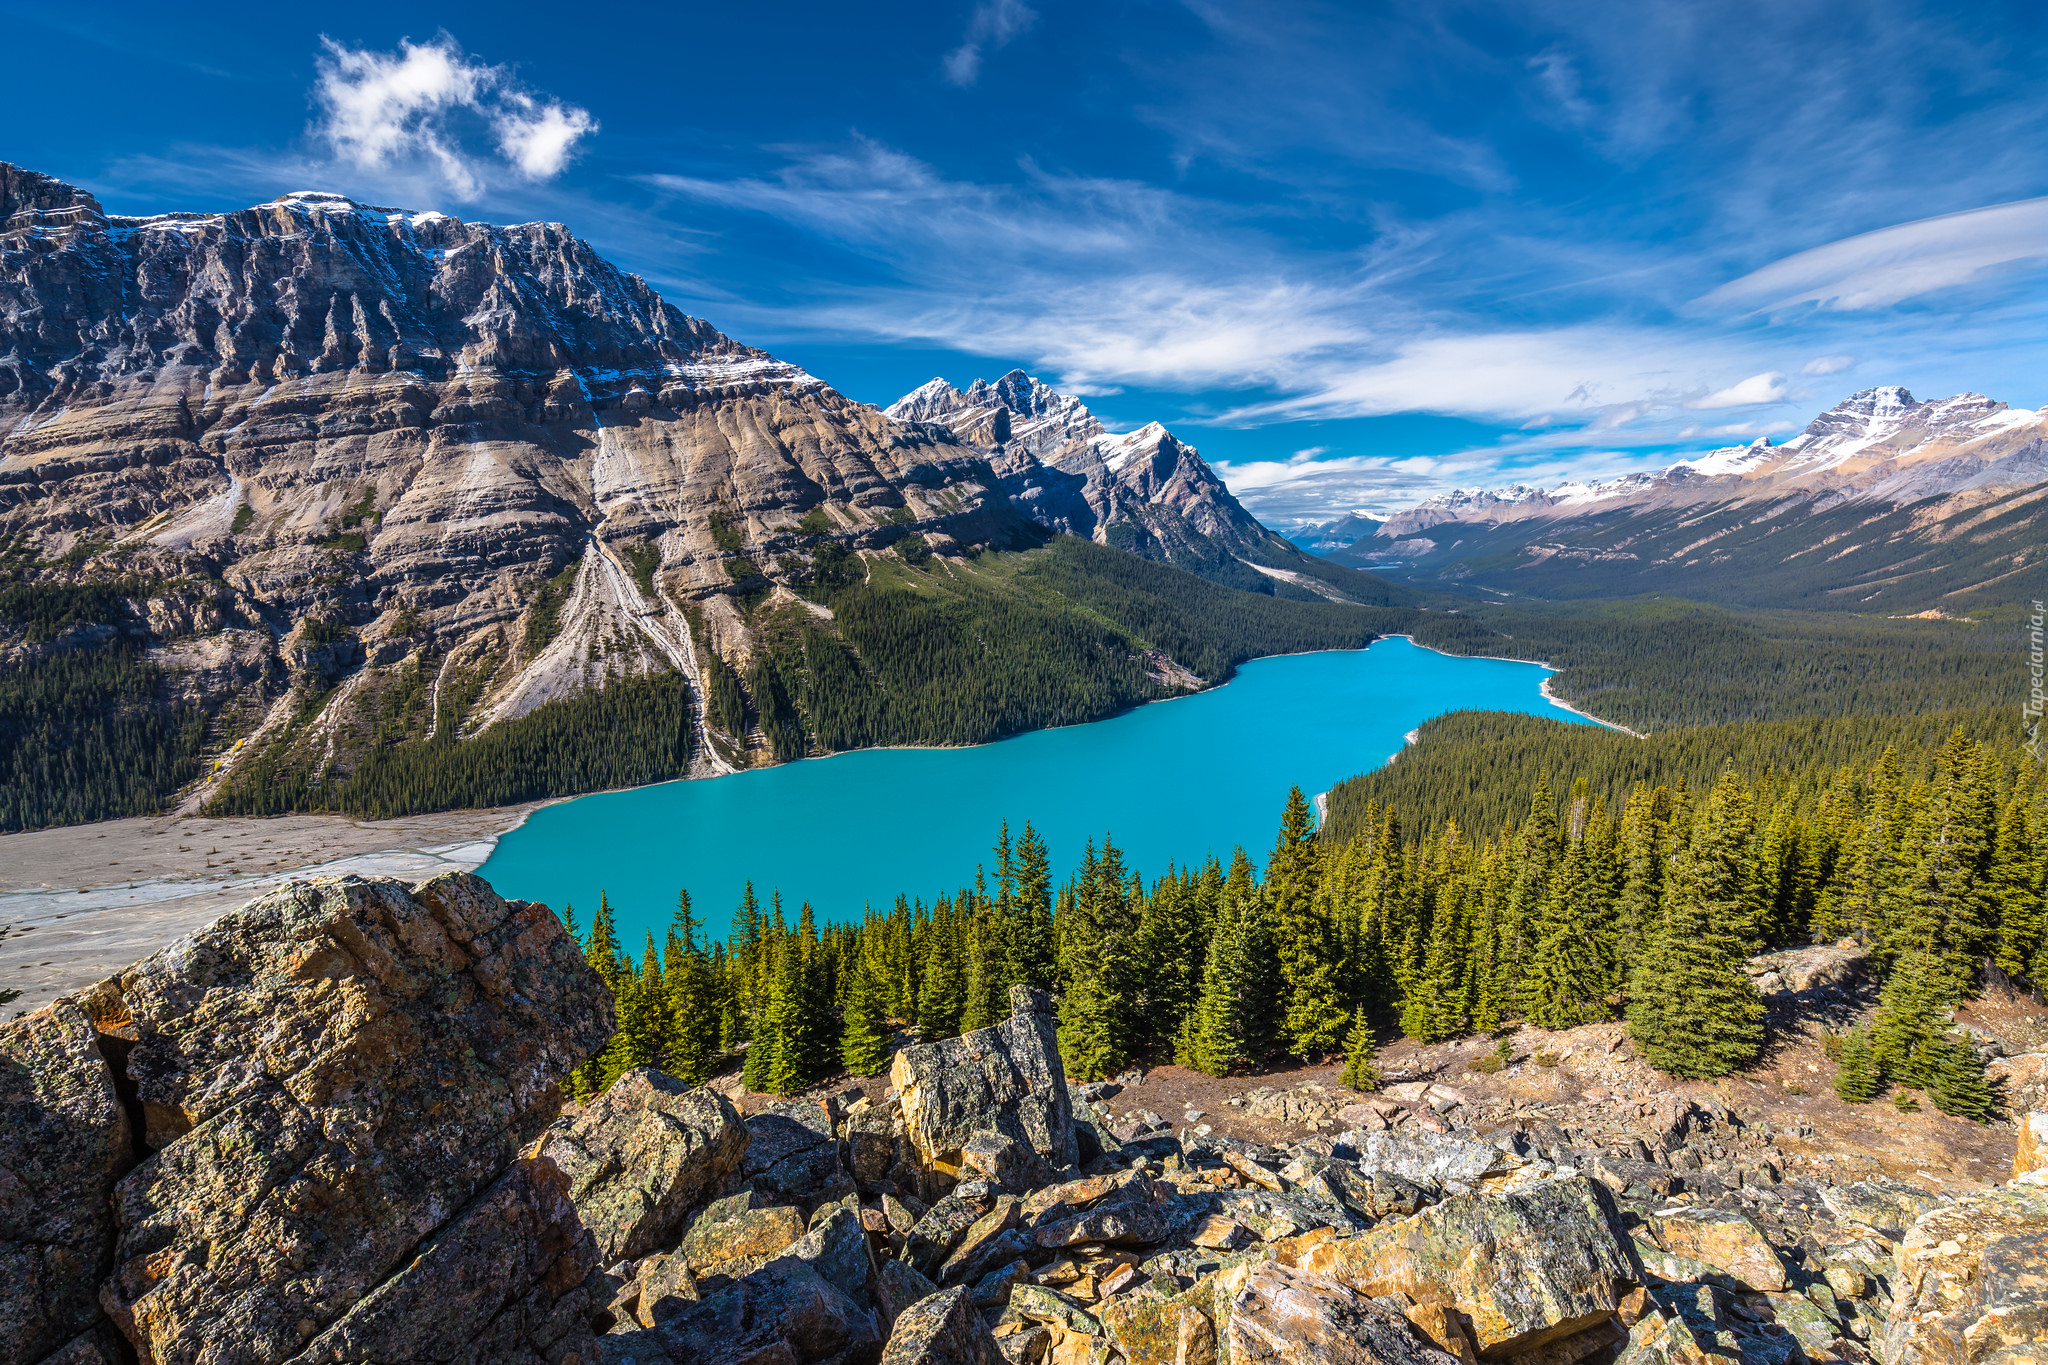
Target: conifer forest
(1599, 899)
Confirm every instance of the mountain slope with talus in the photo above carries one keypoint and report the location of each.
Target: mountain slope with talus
(1883, 502)
(347, 487)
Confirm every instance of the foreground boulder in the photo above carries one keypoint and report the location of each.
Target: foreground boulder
(792, 1155)
(1524, 1269)
(1971, 1281)
(328, 1092)
(64, 1141)
(644, 1154)
(1006, 1081)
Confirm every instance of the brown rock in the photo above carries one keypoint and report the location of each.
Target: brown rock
(1287, 1316)
(1524, 1268)
(1442, 1327)
(897, 1286)
(1220, 1234)
(1971, 1280)
(1006, 1080)
(642, 1155)
(503, 1281)
(1730, 1242)
(2032, 1152)
(64, 1141)
(330, 1074)
(941, 1330)
(2022, 1079)
(665, 1285)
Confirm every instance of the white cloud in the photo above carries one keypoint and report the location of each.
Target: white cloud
(1828, 364)
(1878, 269)
(383, 111)
(1768, 387)
(993, 23)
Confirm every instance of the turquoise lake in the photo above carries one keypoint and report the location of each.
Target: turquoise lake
(1170, 781)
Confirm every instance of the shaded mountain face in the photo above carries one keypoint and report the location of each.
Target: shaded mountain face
(1883, 500)
(1324, 537)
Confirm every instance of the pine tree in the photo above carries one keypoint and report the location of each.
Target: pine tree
(1913, 1010)
(1857, 1081)
(1562, 983)
(1957, 1083)
(1314, 1018)
(864, 1042)
(1030, 940)
(1233, 1026)
(2016, 886)
(942, 993)
(1099, 960)
(695, 1009)
(1692, 1012)
(1360, 1073)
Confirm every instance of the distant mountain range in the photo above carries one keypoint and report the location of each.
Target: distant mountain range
(1882, 501)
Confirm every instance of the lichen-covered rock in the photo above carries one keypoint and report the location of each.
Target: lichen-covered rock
(837, 1248)
(1524, 1268)
(503, 1282)
(642, 1155)
(1730, 1242)
(941, 1330)
(330, 1074)
(738, 1227)
(1971, 1282)
(935, 1235)
(792, 1155)
(1887, 1206)
(785, 1311)
(1007, 1079)
(64, 1141)
(1291, 1317)
(1135, 1215)
(897, 1286)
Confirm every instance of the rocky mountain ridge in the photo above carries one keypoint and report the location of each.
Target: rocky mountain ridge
(1886, 499)
(328, 1128)
(1879, 445)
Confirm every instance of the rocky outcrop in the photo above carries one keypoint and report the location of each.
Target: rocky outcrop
(643, 1155)
(1006, 1081)
(1971, 1281)
(64, 1141)
(1288, 1316)
(328, 1093)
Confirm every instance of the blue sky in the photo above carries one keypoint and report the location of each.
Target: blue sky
(1354, 253)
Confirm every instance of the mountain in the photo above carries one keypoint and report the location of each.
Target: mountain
(1883, 499)
(322, 491)
(1145, 491)
(1324, 537)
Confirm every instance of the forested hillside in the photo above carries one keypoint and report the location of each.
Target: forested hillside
(1479, 769)
(1655, 662)
(1640, 902)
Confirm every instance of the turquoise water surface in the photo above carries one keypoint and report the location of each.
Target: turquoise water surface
(1174, 780)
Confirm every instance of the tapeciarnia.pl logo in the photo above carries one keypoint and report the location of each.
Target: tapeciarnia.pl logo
(2035, 695)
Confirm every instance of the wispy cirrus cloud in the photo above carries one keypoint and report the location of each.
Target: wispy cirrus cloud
(1888, 266)
(993, 24)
